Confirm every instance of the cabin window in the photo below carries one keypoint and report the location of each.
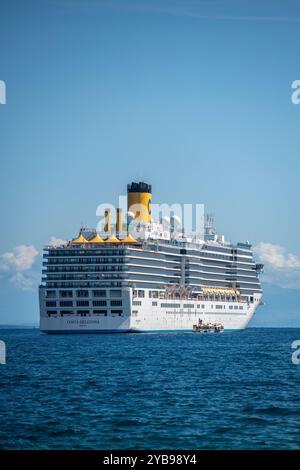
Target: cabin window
(50, 294)
(99, 293)
(82, 303)
(99, 303)
(83, 313)
(100, 312)
(117, 312)
(116, 293)
(66, 293)
(82, 293)
(66, 303)
(116, 303)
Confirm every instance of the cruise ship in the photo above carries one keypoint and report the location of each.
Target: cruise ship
(141, 275)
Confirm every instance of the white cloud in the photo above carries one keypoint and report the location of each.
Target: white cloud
(23, 281)
(17, 263)
(276, 257)
(21, 258)
(281, 267)
(55, 242)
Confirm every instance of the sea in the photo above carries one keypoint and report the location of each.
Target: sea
(150, 391)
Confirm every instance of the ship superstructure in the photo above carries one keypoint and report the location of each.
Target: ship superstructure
(149, 278)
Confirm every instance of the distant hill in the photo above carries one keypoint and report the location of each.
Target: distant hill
(282, 307)
(21, 326)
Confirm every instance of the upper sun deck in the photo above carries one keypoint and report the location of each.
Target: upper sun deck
(97, 242)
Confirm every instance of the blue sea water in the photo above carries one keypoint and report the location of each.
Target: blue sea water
(157, 391)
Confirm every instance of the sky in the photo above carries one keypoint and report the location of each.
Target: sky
(193, 97)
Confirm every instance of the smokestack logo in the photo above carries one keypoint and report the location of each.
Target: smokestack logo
(2, 352)
(2, 92)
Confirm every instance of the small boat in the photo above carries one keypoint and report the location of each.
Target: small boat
(208, 327)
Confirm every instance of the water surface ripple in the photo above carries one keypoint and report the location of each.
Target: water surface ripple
(159, 391)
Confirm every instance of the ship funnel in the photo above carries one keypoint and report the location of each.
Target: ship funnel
(119, 226)
(139, 201)
(107, 226)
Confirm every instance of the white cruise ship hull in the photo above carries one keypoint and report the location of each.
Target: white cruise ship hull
(147, 276)
(150, 315)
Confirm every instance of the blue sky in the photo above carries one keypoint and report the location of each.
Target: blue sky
(191, 96)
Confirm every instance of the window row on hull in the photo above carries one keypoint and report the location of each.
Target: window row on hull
(85, 255)
(149, 277)
(141, 284)
(72, 272)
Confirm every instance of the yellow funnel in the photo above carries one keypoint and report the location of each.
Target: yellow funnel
(107, 226)
(119, 225)
(139, 201)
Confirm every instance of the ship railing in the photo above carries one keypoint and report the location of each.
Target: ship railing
(199, 297)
